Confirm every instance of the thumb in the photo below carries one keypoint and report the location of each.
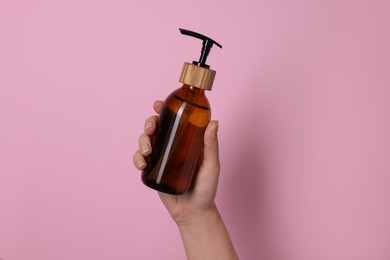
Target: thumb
(211, 150)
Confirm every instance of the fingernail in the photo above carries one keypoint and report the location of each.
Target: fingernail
(145, 148)
(148, 125)
(140, 163)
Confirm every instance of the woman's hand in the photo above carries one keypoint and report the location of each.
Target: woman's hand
(200, 199)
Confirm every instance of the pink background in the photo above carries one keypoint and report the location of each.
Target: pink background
(303, 98)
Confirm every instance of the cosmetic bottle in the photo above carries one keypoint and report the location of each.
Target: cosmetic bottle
(177, 145)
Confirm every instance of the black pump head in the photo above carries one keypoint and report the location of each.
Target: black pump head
(207, 44)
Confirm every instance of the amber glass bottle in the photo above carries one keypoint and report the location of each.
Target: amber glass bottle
(177, 144)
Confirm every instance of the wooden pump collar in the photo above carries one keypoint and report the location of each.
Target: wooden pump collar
(197, 76)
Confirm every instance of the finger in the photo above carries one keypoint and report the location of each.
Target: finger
(139, 161)
(144, 145)
(151, 125)
(157, 106)
(211, 150)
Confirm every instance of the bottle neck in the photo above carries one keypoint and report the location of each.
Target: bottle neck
(193, 89)
(193, 95)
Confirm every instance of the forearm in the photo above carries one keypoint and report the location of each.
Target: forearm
(206, 237)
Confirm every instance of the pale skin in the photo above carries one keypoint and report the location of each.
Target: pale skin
(201, 227)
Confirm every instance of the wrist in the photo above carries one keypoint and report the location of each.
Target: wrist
(205, 236)
(206, 216)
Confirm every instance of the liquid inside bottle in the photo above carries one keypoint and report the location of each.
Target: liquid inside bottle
(177, 145)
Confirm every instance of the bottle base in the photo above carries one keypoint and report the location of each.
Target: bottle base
(162, 188)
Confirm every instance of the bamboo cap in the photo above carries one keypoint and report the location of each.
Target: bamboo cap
(197, 76)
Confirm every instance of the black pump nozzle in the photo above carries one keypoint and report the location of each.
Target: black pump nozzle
(207, 44)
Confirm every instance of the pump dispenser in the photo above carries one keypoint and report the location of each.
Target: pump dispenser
(178, 142)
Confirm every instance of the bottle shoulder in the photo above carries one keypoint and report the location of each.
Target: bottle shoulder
(191, 95)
